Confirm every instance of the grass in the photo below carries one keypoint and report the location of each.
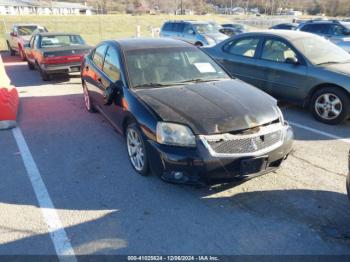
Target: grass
(98, 27)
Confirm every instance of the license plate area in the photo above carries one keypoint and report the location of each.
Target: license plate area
(253, 165)
(75, 69)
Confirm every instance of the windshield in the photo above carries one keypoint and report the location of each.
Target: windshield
(205, 28)
(26, 30)
(61, 40)
(171, 66)
(319, 50)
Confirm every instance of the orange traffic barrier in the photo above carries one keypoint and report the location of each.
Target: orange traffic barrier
(8, 100)
(8, 107)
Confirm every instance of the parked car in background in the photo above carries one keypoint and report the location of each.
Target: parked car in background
(198, 33)
(335, 31)
(229, 31)
(348, 179)
(182, 115)
(295, 66)
(55, 53)
(19, 36)
(285, 26)
(238, 28)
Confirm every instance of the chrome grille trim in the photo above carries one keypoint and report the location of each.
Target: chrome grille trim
(249, 143)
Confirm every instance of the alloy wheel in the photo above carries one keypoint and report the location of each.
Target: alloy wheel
(135, 149)
(328, 106)
(86, 98)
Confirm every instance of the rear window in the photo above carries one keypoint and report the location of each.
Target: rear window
(61, 40)
(168, 27)
(26, 30)
(99, 55)
(315, 28)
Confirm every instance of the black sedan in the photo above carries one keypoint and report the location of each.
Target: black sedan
(299, 67)
(182, 116)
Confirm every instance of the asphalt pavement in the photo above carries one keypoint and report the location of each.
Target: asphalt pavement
(74, 192)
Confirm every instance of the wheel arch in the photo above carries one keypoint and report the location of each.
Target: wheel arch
(321, 86)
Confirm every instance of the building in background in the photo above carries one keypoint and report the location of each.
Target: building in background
(27, 7)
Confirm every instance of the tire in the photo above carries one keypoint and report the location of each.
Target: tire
(87, 101)
(22, 54)
(132, 134)
(12, 52)
(30, 66)
(44, 76)
(330, 105)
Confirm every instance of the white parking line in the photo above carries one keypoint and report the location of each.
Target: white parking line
(58, 235)
(320, 132)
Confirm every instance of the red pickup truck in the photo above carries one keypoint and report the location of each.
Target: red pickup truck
(55, 53)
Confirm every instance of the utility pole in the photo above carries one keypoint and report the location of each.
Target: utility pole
(181, 8)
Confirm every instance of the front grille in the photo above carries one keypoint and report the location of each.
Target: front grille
(265, 139)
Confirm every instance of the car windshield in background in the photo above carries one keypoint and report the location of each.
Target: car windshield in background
(321, 51)
(205, 28)
(171, 66)
(26, 30)
(61, 40)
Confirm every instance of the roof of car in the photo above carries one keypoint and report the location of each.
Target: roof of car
(24, 24)
(54, 34)
(148, 43)
(287, 34)
(189, 21)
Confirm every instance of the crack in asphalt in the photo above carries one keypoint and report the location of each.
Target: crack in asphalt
(315, 165)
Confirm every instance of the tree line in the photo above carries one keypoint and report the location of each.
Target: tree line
(313, 7)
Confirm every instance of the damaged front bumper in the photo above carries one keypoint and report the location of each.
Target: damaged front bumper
(202, 166)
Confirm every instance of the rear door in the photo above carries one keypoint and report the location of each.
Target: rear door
(282, 79)
(239, 58)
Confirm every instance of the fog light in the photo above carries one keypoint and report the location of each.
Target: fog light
(289, 133)
(178, 175)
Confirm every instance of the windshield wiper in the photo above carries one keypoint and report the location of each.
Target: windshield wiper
(154, 85)
(200, 80)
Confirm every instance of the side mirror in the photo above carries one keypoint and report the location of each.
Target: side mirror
(292, 60)
(13, 34)
(191, 32)
(111, 93)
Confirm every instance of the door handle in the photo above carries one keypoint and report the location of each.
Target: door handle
(87, 68)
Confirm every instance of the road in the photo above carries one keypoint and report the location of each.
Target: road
(92, 202)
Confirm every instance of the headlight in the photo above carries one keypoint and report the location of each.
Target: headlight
(280, 115)
(210, 40)
(175, 134)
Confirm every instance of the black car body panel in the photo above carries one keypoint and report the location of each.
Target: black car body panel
(207, 108)
(211, 108)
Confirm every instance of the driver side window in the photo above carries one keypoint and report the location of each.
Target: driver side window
(277, 51)
(243, 47)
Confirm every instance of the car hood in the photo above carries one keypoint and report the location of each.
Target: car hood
(343, 68)
(218, 37)
(213, 107)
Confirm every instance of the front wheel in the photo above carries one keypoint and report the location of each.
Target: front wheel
(330, 105)
(136, 149)
(44, 76)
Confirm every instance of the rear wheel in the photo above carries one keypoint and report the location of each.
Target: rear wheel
(87, 101)
(136, 149)
(22, 53)
(12, 52)
(30, 66)
(198, 44)
(44, 76)
(330, 105)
